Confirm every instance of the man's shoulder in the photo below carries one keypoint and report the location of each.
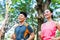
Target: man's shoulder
(15, 25)
(26, 24)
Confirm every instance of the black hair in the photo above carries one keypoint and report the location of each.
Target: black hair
(24, 13)
(51, 10)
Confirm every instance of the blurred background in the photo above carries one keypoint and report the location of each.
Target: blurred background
(9, 10)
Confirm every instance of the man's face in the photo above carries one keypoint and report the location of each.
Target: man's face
(21, 17)
(47, 14)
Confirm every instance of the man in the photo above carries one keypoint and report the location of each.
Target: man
(21, 28)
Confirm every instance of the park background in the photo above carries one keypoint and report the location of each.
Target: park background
(9, 10)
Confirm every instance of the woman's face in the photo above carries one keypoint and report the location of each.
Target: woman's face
(47, 14)
(21, 17)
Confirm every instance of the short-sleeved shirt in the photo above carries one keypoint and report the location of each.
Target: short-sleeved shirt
(48, 30)
(19, 31)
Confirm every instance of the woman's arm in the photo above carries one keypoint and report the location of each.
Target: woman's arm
(39, 35)
(58, 25)
(58, 38)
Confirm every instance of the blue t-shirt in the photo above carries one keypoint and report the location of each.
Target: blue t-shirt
(19, 31)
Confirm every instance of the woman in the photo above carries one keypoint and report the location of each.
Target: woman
(48, 29)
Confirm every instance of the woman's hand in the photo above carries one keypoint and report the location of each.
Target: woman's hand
(58, 38)
(39, 35)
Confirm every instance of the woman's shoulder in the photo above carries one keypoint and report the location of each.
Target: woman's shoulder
(43, 24)
(56, 22)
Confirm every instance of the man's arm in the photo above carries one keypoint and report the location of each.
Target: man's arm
(32, 35)
(13, 36)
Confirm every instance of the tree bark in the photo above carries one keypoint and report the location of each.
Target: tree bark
(40, 7)
(5, 20)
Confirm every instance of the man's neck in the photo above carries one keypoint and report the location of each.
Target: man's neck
(22, 23)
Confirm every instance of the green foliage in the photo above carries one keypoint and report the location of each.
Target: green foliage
(58, 33)
(22, 5)
(27, 6)
(56, 1)
(55, 6)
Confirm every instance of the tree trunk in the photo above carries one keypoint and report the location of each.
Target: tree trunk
(41, 6)
(5, 20)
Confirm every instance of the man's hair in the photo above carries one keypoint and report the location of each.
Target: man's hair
(24, 13)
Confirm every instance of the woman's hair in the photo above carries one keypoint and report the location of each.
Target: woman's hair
(51, 12)
(48, 10)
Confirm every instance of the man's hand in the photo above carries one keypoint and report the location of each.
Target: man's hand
(13, 36)
(31, 36)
